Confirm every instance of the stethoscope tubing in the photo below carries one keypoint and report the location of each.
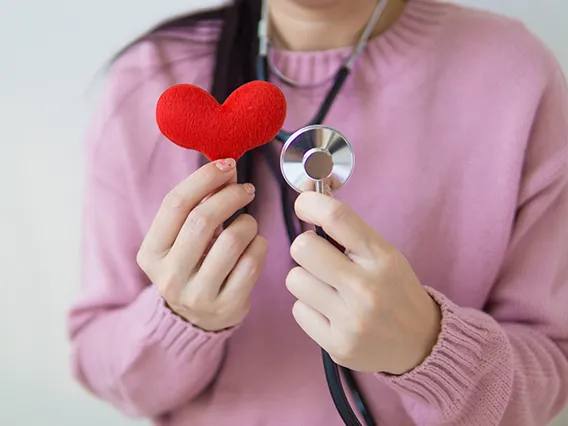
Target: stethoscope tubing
(323, 110)
(331, 369)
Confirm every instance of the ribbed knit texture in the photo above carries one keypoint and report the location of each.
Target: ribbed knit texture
(459, 121)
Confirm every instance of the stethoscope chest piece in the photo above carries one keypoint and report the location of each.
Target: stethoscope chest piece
(315, 156)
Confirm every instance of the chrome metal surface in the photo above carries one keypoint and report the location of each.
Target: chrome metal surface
(264, 44)
(316, 155)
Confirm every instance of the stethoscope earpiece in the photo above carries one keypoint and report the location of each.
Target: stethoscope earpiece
(315, 157)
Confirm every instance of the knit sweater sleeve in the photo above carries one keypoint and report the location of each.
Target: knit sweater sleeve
(128, 348)
(508, 364)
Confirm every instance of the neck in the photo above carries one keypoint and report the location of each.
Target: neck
(331, 25)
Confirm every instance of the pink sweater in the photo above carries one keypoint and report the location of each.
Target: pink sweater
(459, 120)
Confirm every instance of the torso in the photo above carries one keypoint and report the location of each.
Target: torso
(428, 179)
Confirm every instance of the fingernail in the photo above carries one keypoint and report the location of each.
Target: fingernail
(249, 188)
(226, 164)
(327, 189)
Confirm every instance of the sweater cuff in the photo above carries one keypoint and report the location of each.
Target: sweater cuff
(158, 325)
(470, 345)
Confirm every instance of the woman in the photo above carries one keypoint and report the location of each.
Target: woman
(451, 305)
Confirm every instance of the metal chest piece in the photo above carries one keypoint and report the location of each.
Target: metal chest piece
(316, 156)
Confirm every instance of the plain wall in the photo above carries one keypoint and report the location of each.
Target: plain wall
(49, 52)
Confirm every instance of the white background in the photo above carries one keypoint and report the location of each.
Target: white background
(49, 53)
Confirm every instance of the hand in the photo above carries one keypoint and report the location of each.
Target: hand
(367, 309)
(203, 274)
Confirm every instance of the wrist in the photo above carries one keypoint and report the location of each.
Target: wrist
(431, 330)
(212, 327)
(428, 326)
(431, 326)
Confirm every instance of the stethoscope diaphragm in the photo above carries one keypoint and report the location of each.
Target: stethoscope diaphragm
(317, 156)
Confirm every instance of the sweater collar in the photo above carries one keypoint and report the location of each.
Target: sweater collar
(415, 28)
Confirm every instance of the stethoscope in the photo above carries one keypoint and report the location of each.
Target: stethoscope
(312, 158)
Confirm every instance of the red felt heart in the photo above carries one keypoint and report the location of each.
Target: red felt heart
(251, 116)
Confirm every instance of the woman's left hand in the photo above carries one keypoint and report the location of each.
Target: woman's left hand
(366, 308)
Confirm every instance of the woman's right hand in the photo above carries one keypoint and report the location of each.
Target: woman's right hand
(205, 277)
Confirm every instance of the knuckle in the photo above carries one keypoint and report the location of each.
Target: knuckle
(233, 307)
(251, 266)
(224, 310)
(240, 234)
(169, 294)
(232, 240)
(299, 244)
(251, 263)
(250, 222)
(337, 210)
(199, 221)
(293, 277)
(387, 260)
(360, 287)
(372, 303)
(170, 279)
(235, 192)
(368, 296)
(359, 326)
(173, 199)
(142, 259)
(262, 244)
(194, 301)
(390, 259)
(205, 174)
(200, 179)
(346, 348)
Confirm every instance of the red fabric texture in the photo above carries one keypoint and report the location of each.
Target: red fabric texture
(192, 118)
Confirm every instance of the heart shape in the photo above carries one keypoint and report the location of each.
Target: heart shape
(192, 118)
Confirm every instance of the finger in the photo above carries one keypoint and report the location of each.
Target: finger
(320, 258)
(244, 275)
(307, 185)
(213, 239)
(225, 254)
(314, 324)
(205, 219)
(340, 222)
(182, 199)
(333, 183)
(315, 293)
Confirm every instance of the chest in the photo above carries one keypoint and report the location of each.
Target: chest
(437, 188)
